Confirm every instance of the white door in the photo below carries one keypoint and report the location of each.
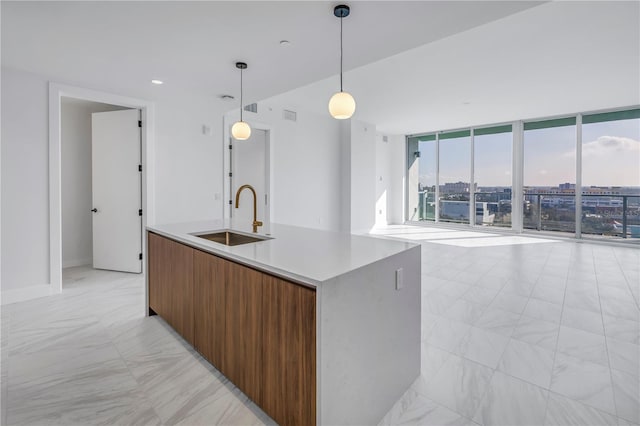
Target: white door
(249, 166)
(117, 200)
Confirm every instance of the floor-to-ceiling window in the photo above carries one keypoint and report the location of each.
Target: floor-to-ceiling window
(611, 174)
(428, 177)
(577, 175)
(492, 170)
(454, 176)
(550, 175)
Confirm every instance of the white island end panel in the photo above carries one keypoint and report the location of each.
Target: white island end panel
(369, 340)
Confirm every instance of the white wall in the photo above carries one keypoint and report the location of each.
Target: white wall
(25, 187)
(323, 170)
(363, 176)
(389, 179)
(326, 172)
(188, 168)
(75, 130)
(305, 165)
(345, 176)
(396, 150)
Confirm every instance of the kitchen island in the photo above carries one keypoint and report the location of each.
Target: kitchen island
(316, 327)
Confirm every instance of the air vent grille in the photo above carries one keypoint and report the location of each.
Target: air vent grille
(251, 108)
(290, 115)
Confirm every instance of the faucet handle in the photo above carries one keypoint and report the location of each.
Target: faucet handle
(255, 224)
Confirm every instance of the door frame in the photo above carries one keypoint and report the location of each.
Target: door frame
(227, 122)
(147, 108)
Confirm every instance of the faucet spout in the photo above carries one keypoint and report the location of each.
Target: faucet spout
(256, 222)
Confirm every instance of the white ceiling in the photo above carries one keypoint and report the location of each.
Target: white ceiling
(193, 46)
(413, 66)
(558, 58)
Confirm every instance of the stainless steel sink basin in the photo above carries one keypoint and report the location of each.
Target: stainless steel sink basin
(230, 238)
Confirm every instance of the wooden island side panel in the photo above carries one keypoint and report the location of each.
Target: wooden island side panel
(289, 335)
(209, 307)
(242, 360)
(171, 283)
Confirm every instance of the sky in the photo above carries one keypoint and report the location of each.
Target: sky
(611, 157)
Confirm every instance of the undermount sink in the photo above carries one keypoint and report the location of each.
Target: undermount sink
(230, 238)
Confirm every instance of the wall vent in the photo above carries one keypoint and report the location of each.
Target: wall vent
(252, 108)
(289, 115)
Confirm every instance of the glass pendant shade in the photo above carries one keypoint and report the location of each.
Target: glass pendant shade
(342, 106)
(241, 131)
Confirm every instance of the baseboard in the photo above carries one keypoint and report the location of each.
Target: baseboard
(77, 262)
(15, 295)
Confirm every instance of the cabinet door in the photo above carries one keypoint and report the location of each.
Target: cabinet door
(209, 306)
(289, 334)
(171, 283)
(242, 362)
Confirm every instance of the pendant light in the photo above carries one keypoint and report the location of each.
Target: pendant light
(241, 130)
(341, 105)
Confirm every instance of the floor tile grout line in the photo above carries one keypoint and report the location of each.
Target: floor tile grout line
(606, 342)
(5, 414)
(555, 352)
(144, 394)
(633, 296)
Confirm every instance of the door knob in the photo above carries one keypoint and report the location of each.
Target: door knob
(94, 210)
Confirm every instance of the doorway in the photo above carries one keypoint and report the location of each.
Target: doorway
(101, 186)
(249, 165)
(145, 110)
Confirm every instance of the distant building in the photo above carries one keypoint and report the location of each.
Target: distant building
(602, 190)
(456, 188)
(567, 186)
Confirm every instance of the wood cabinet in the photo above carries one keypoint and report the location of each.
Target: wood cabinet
(258, 330)
(289, 366)
(171, 283)
(242, 362)
(209, 306)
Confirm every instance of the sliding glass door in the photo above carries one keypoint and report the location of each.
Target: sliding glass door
(492, 169)
(611, 174)
(454, 177)
(550, 175)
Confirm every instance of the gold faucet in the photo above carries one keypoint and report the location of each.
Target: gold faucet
(256, 222)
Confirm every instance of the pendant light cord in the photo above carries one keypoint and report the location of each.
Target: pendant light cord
(241, 94)
(341, 53)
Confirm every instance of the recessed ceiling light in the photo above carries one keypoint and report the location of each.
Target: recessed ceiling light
(157, 81)
(285, 42)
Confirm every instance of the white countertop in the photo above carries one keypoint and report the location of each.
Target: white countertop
(305, 255)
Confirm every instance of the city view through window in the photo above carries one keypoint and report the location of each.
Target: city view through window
(440, 172)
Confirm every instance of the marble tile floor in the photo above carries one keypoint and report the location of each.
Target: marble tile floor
(90, 357)
(524, 331)
(513, 334)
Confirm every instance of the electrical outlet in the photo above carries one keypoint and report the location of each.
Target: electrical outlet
(399, 283)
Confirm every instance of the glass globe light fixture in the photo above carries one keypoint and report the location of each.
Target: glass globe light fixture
(241, 129)
(341, 105)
